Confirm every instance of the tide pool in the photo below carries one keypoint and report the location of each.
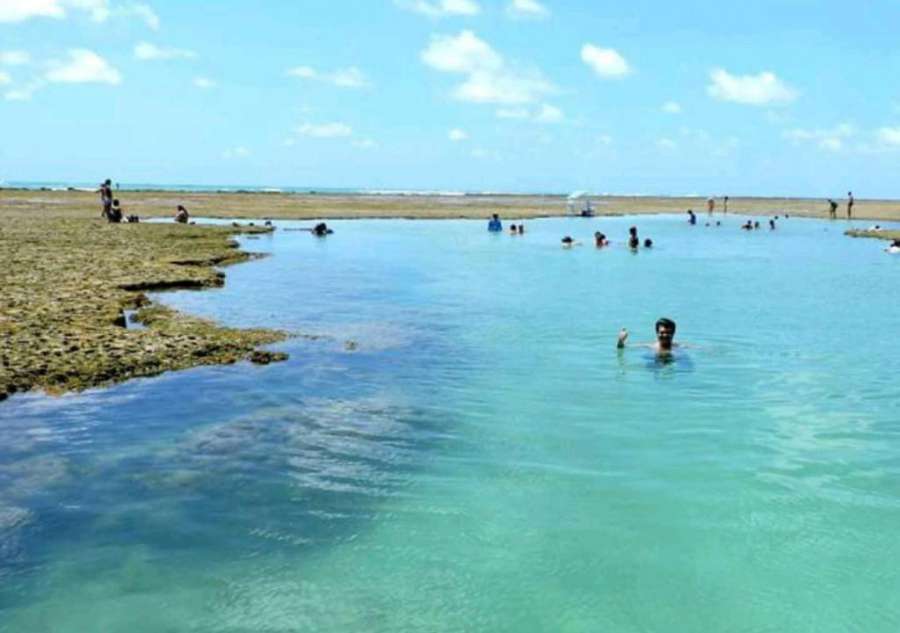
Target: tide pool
(485, 459)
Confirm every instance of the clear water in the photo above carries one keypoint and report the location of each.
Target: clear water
(485, 460)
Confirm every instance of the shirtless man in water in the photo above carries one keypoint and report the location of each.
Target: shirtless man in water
(665, 338)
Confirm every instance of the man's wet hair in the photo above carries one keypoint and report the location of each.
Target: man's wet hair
(669, 323)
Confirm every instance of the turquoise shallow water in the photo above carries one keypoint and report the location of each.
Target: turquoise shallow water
(486, 460)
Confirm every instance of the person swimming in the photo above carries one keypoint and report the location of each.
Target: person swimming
(600, 240)
(633, 240)
(648, 243)
(321, 230)
(771, 225)
(894, 248)
(748, 226)
(513, 229)
(495, 225)
(521, 229)
(568, 242)
(665, 338)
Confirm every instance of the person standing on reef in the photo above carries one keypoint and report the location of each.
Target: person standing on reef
(832, 208)
(710, 205)
(850, 202)
(725, 205)
(106, 198)
(495, 225)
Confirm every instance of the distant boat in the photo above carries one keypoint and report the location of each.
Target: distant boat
(579, 203)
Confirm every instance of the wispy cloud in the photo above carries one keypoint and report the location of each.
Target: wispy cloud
(666, 144)
(489, 78)
(150, 52)
(204, 83)
(14, 58)
(546, 113)
(351, 77)
(763, 89)
(5, 79)
(365, 143)
(456, 135)
(889, 136)
(83, 66)
(441, 8)
(324, 130)
(527, 9)
(96, 10)
(829, 139)
(671, 107)
(607, 63)
(236, 152)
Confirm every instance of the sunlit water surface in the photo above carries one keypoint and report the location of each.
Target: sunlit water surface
(485, 460)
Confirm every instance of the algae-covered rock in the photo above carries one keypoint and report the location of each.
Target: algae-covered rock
(66, 281)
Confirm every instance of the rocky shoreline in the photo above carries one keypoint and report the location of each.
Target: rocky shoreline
(67, 282)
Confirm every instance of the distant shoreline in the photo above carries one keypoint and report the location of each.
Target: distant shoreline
(305, 206)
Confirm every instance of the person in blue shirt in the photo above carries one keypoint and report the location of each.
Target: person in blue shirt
(494, 225)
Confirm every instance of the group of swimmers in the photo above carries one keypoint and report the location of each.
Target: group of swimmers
(600, 240)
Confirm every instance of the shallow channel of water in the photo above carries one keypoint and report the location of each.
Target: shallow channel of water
(482, 458)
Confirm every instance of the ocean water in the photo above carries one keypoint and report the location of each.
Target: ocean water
(456, 444)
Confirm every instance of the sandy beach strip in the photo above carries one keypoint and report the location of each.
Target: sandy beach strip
(308, 206)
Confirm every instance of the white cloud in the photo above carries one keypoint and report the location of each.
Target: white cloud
(23, 93)
(97, 10)
(456, 135)
(150, 52)
(83, 66)
(145, 13)
(21, 10)
(829, 139)
(549, 114)
(5, 79)
(324, 130)
(606, 62)
(365, 143)
(666, 144)
(889, 136)
(204, 83)
(441, 8)
(513, 113)
(604, 139)
(546, 113)
(489, 78)
(758, 90)
(236, 152)
(14, 58)
(527, 9)
(351, 77)
(671, 107)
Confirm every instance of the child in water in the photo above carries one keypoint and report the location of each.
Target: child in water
(633, 239)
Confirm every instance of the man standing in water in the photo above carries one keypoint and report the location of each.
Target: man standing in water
(665, 338)
(850, 202)
(710, 205)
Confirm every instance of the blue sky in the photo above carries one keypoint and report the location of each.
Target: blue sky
(787, 97)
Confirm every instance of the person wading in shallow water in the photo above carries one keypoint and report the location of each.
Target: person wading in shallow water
(665, 338)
